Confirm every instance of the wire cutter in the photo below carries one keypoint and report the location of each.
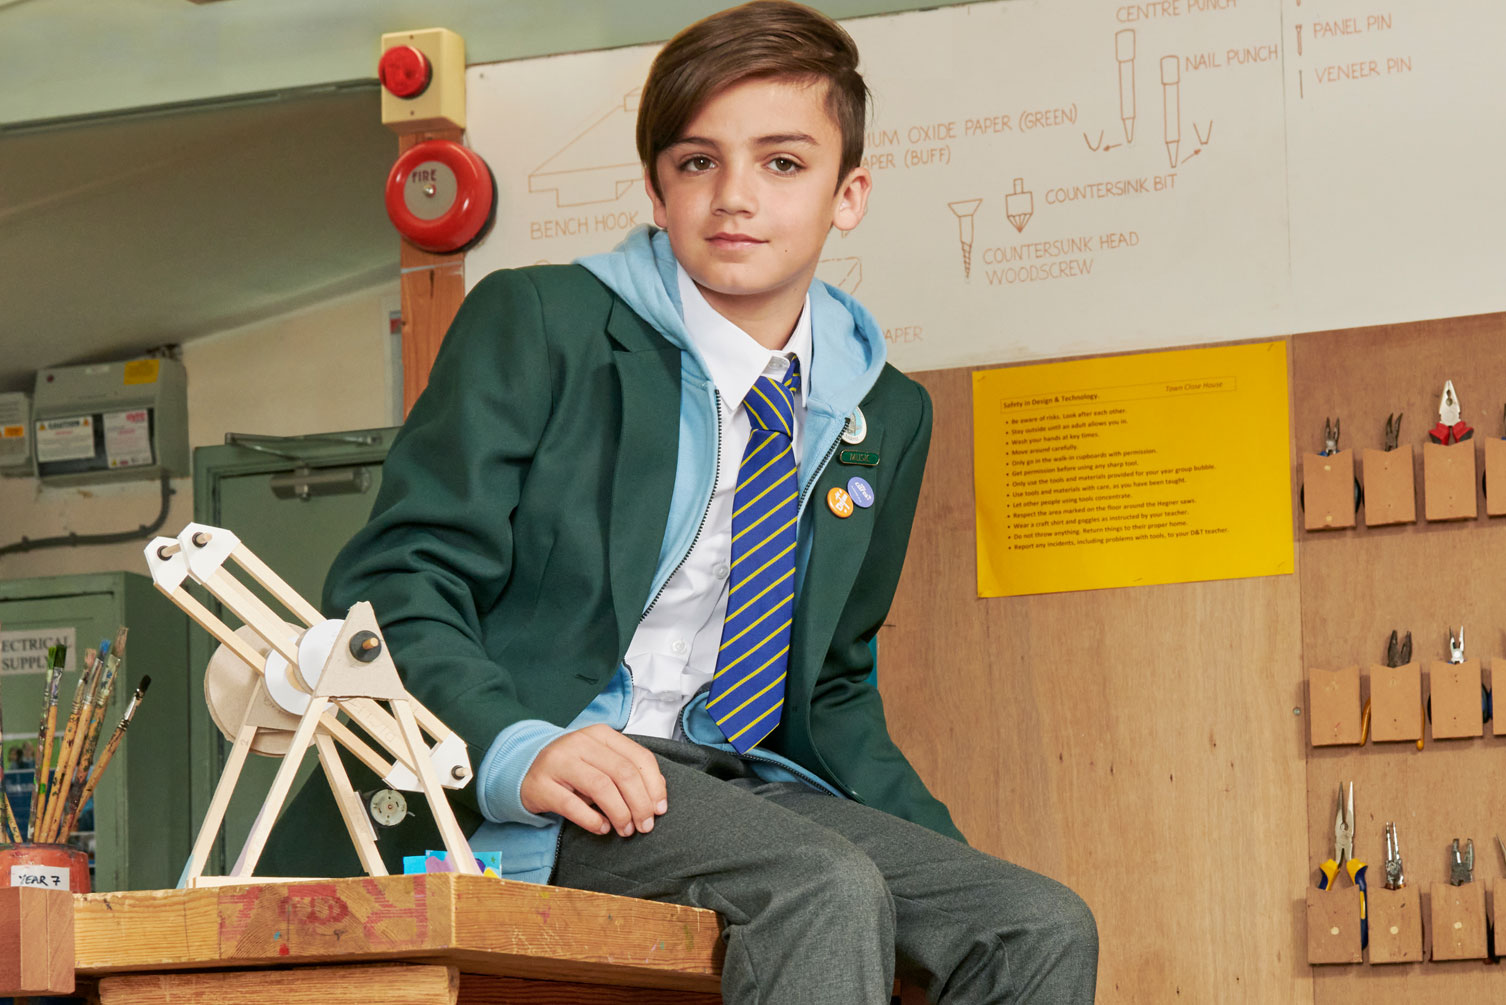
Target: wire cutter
(1399, 654)
(1451, 428)
(1456, 655)
(1393, 431)
(1461, 869)
(1395, 878)
(1343, 856)
(1330, 438)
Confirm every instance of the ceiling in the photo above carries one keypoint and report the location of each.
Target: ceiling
(141, 230)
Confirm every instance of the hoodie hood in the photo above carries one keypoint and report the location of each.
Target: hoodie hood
(847, 346)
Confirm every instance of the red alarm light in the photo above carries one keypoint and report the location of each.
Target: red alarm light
(405, 71)
(441, 196)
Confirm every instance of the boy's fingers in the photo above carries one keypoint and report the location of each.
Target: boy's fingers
(628, 780)
(648, 767)
(602, 789)
(576, 810)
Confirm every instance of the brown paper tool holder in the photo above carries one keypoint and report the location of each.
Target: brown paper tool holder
(1390, 487)
(1458, 921)
(1333, 925)
(1454, 700)
(1495, 477)
(1395, 924)
(1328, 490)
(1448, 481)
(1333, 705)
(1396, 703)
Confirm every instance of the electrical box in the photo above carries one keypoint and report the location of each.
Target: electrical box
(108, 421)
(15, 434)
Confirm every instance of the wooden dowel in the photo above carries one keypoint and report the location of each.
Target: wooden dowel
(256, 840)
(357, 823)
(276, 585)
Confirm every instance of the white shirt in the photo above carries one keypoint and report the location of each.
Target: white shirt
(673, 652)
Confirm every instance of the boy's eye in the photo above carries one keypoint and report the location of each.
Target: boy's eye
(783, 165)
(696, 163)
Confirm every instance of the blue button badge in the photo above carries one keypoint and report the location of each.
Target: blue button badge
(861, 491)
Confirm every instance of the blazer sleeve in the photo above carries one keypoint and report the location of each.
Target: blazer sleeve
(438, 547)
(845, 703)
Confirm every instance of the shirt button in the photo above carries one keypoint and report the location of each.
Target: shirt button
(721, 570)
(679, 647)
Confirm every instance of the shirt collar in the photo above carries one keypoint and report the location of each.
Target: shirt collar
(734, 359)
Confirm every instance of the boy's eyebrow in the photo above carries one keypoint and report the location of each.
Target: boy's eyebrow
(772, 140)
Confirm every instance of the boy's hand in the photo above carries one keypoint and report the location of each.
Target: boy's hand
(597, 765)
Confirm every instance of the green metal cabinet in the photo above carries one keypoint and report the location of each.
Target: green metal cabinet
(141, 807)
(249, 488)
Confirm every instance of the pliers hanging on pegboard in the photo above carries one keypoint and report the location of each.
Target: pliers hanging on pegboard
(1393, 431)
(1343, 857)
(1330, 438)
(1451, 427)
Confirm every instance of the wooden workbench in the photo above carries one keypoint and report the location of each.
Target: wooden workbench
(433, 938)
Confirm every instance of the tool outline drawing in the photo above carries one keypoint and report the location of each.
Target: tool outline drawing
(589, 169)
(1171, 105)
(964, 210)
(1019, 206)
(1124, 55)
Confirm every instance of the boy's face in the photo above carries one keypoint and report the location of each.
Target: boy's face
(750, 192)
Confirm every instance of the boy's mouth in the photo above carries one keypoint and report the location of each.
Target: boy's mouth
(734, 242)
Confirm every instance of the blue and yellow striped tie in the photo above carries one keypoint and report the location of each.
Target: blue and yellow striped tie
(748, 687)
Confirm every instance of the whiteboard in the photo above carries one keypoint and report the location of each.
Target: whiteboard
(1054, 179)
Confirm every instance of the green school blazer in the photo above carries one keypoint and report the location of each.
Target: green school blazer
(511, 549)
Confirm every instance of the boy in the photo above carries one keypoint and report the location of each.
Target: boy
(617, 551)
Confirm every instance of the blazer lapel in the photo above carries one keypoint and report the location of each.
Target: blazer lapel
(838, 547)
(648, 375)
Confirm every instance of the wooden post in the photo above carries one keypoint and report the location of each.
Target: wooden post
(432, 288)
(36, 941)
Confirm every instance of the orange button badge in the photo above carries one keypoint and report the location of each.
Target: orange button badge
(839, 502)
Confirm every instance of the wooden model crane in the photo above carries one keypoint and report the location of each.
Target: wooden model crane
(275, 688)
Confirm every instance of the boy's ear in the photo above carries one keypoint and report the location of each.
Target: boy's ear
(661, 217)
(851, 201)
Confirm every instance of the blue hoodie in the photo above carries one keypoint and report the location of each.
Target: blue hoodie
(847, 355)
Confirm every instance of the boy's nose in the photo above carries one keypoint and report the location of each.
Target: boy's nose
(735, 193)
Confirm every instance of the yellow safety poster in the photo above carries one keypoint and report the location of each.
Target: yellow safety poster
(1167, 467)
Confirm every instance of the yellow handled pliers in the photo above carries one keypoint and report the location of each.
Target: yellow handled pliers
(1343, 857)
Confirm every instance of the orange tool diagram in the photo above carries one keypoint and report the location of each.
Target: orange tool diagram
(598, 165)
(964, 210)
(1124, 52)
(844, 273)
(1171, 103)
(1019, 205)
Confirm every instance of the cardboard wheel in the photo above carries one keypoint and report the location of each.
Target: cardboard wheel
(229, 685)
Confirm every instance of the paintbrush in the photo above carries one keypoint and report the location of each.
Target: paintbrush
(55, 657)
(72, 738)
(44, 755)
(101, 699)
(104, 760)
(12, 827)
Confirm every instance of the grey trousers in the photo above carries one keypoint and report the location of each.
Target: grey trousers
(824, 900)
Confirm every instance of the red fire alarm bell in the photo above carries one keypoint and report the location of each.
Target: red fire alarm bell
(404, 71)
(441, 196)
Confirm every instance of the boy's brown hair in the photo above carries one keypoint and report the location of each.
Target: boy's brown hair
(762, 39)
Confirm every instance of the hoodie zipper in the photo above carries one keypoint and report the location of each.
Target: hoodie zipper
(716, 473)
(805, 496)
